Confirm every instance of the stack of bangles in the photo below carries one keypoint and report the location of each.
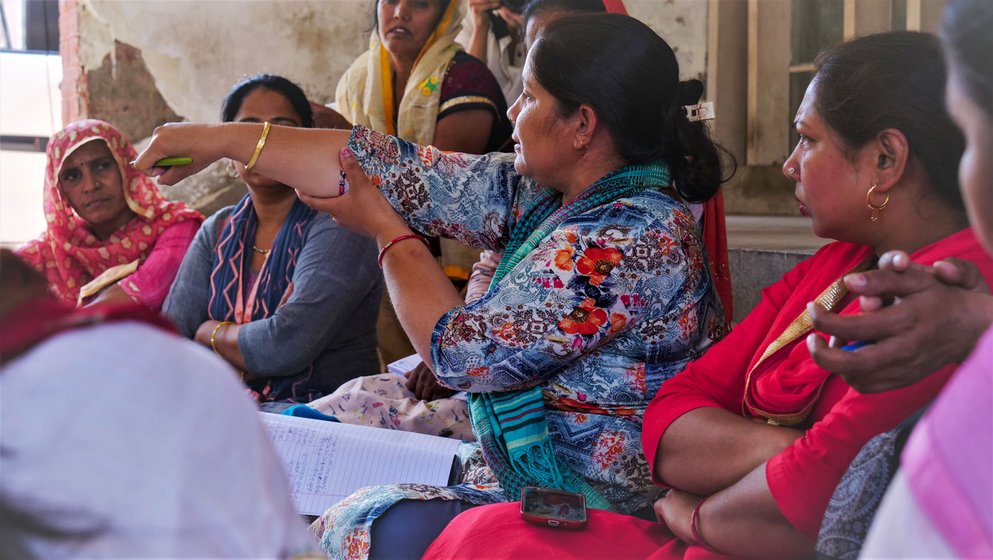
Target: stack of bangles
(695, 527)
(213, 335)
(399, 238)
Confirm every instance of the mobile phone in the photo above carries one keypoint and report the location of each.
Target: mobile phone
(553, 508)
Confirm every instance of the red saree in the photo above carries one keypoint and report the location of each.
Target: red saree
(801, 478)
(838, 420)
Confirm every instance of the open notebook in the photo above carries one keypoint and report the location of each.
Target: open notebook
(327, 461)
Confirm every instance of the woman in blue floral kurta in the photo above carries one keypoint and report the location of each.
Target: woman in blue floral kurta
(602, 294)
(608, 306)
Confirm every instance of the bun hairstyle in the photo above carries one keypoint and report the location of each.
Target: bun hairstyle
(629, 75)
(893, 80)
(289, 90)
(965, 33)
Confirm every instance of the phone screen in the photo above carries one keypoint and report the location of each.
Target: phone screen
(554, 508)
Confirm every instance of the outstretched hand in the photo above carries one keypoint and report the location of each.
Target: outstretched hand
(363, 209)
(198, 141)
(916, 320)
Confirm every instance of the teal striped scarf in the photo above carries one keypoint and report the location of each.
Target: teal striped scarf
(511, 426)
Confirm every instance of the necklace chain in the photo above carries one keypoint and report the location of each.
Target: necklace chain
(260, 251)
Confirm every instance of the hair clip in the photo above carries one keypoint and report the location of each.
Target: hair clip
(700, 112)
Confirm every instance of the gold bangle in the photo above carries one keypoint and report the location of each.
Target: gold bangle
(213, 335)
(258, 147)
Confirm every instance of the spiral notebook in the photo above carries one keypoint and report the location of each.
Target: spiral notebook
(327, 461)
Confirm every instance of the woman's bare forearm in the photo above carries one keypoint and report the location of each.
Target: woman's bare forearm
(746, 521)
(709, 449)
(303, 158)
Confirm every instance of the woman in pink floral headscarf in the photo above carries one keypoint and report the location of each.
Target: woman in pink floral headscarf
(111, 235)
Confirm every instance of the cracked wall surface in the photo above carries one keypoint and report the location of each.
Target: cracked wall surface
(139, 64)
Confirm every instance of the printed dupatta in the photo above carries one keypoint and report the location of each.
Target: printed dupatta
(230, 298)
(365, 93)
(511, 426)
(68, 253)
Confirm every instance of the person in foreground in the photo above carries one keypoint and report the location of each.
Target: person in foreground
(941, 501)
(603, 292)
(280, 291)
(111, 236)
(753, 437)
(92, 470)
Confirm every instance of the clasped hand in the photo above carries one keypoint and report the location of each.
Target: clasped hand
(917, 319)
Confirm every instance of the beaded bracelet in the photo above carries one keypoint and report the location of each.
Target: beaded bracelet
(258, 147)
(395, 240)
(213, 335)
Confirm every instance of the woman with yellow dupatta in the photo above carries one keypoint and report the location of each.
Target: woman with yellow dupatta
(417, 83)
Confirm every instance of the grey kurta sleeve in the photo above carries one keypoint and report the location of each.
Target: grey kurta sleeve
(334, 274)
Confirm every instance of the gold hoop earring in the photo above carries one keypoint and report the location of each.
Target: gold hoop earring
(876, 210)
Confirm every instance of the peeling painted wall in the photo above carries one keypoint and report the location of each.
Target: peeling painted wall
(683, 24)
(143, 63)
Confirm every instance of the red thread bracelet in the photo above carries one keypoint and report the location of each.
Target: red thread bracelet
(395, 240)
(695, 526)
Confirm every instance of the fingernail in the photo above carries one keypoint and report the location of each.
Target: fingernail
(833, 341)
(900, 259)
(156, 171)
(812, 308)
(811, 342)
(855, 280)
(346, 153)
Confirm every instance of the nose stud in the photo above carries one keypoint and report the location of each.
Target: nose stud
(791, 170)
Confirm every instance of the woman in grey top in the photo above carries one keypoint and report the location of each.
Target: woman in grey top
(278, 290)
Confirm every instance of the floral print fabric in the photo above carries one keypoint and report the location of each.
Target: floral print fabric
(383, 401)
(606, 308)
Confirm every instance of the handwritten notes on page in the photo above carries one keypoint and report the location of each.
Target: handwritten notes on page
(327, 461)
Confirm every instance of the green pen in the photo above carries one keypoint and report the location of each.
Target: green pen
(173, 161)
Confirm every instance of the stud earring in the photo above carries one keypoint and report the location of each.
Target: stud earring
(876, 210)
